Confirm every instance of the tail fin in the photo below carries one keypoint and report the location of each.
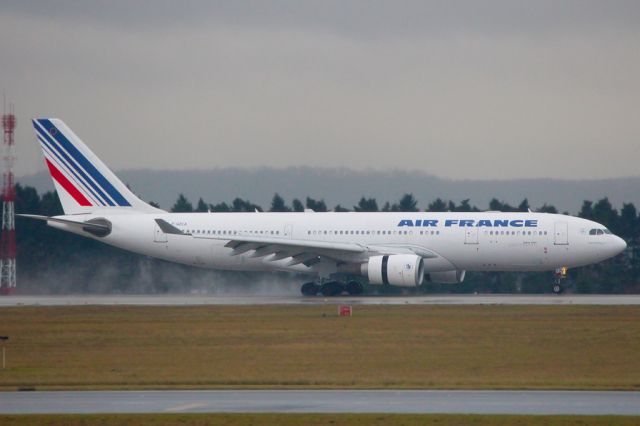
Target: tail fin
(83, 182)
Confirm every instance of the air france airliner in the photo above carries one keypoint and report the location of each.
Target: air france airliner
(338, 251)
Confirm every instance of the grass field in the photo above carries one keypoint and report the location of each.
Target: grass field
(310, 419)
(480, 347)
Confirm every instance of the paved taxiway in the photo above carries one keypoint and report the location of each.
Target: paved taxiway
(189, 300)
(324, 401)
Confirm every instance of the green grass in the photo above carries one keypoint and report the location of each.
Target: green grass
(309, 419)
(479, 347)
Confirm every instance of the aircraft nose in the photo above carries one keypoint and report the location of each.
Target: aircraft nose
(619, 244)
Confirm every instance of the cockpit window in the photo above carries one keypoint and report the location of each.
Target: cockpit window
(606, 231)
(599, 231)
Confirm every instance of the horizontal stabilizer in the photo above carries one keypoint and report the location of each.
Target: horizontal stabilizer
(97, 227)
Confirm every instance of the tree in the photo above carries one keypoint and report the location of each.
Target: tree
(604, 213)
(240, 205)
(278, 204)
(628, 222)
(465, 206)
(548, 208)
(316, 206)
(50, 204)
(408, 203)
(495, 205)
(202, 207)
(366, 205)
(182, 205)
(220, 208)
(339, 208)
(524, 206)
(437, 205)
(297, 205)
(586, 211)
(499, 206)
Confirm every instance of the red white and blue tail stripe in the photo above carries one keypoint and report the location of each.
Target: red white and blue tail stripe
(84, 184)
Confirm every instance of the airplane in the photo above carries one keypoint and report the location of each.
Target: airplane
(337, 250)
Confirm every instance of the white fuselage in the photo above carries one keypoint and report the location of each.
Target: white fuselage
(485, 241)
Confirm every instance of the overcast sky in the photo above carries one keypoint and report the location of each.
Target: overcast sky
(478, 89)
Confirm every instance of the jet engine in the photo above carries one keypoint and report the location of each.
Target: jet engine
(447, 277)
(403, 270)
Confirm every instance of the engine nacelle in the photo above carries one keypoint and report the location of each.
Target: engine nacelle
(447, 277)
(403, 270)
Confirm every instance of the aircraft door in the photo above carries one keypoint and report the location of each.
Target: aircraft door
(471, 235)
(158, 235)
(288, 230)
(561, 234)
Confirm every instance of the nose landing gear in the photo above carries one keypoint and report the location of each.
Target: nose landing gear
(559, 276)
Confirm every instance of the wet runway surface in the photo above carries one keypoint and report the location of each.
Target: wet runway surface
(188, 300)
(323, 401)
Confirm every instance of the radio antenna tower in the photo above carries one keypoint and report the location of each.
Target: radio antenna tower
(8, 242)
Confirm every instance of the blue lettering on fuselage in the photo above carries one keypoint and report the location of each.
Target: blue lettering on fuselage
(516, 223)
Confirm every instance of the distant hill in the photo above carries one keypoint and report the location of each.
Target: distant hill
(345, 187)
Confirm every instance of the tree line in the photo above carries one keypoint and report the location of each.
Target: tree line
(53, 261)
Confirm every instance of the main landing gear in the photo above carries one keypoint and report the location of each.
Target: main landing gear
(559, 276)
(332, 288)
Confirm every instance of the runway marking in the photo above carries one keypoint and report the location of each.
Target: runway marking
(185, 407)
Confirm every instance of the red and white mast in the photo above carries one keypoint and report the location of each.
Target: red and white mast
(8, 242)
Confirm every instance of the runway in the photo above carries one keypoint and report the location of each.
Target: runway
(323, 401)
(208, 299)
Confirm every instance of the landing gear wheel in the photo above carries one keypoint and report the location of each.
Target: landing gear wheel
(332, 288)
(558, 288)
(354, 288)
(309, 289)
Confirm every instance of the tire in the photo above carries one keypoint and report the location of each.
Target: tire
(332, 288)
(309, 289)
(558, 289)
(354, 288)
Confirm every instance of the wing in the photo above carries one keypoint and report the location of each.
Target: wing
(307, 252)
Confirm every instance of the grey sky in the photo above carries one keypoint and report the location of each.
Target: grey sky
(493, 89)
